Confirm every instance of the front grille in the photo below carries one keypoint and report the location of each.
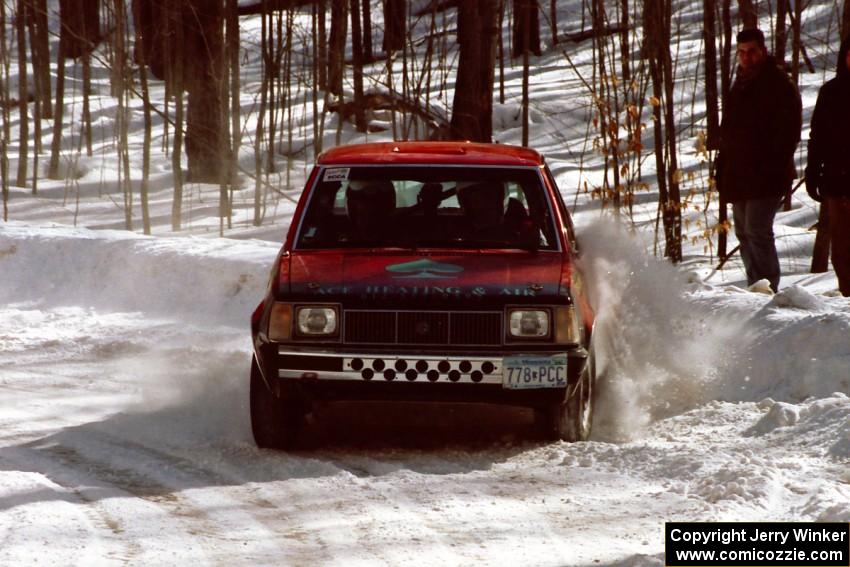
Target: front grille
(370, 326)
(417, 327)
(423, 327)
(476, 328)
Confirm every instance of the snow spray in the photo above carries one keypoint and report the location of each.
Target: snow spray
(657, 350)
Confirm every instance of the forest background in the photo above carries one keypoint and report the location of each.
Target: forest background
(231, 102)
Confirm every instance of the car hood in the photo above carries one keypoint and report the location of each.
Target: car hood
(503, 276)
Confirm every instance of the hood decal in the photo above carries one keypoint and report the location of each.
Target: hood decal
(424, 269)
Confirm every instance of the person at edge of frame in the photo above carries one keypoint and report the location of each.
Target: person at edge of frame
(758, 136)
(828, 166)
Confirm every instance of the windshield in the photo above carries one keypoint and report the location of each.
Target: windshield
(428, 206)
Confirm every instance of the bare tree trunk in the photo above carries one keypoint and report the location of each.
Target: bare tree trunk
(395, 17)
(232, 46)
(322, 41)
(58, 114)
(709, 32)
(657, 22)
(747, 13)
(226, 155)
(368, 55)
(318, 119)
(121, 64)
(275, 51)
(4, 112)
(726, 58)
(624, 42)
(526, 36)
(336, 47)
(606, 118)
(673, 208)
(501, 48)
(203, 42)
(80, 26)
(23, 95)
(472, 109)
(357, 66)
(36, 82)
(779, 36)
(526, 17)
(796, 42)
(86, 102)
(41, 51)
(725, 86)
(174, 45)
(553, 20)
(146, 108)
(88, 28)
(258, 135)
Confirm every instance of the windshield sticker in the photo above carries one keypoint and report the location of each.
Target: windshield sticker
(337, 174)
(424, 269)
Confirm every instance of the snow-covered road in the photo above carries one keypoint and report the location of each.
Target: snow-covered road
(124, 434)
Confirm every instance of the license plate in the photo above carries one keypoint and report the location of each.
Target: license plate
(526, 372)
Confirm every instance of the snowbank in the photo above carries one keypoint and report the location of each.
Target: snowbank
(669, 342)
(216, 281)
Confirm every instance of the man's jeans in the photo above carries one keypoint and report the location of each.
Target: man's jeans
(753, 220)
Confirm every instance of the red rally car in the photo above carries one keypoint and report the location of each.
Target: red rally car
(425, 271)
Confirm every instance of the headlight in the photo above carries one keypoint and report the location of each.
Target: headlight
(528, 324)
(316, 321)
(567, 327)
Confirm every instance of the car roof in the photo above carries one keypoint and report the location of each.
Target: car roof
(420, 153)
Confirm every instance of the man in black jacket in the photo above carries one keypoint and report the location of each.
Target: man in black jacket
(760, 130)
(828, 167)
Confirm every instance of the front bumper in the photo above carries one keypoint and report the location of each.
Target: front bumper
(409, 376)
(389, 367)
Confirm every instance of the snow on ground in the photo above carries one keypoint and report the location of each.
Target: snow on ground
(124, 432)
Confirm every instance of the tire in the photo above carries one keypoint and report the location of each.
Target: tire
(275, 422)
(571, 420)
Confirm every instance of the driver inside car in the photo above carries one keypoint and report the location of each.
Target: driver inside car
(483, 206)
(370, 206)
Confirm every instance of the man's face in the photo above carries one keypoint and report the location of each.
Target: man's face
(750, 55)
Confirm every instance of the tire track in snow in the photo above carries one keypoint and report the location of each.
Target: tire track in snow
(208, 506)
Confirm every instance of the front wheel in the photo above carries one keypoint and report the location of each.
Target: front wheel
(571, 419)
(275, 421)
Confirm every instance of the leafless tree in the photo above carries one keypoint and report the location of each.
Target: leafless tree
(395, 15)
(336, 46)
(748, 14)
(173, 46)
(779, 34)
(23, 94)
(357, 66)
(526, 22)
(711, 94)
(526, 28)
(368, 55)
(472, 109)
(657, 23)
(4, 112)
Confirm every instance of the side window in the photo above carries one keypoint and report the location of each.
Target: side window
(515, 192)
(562, 208)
